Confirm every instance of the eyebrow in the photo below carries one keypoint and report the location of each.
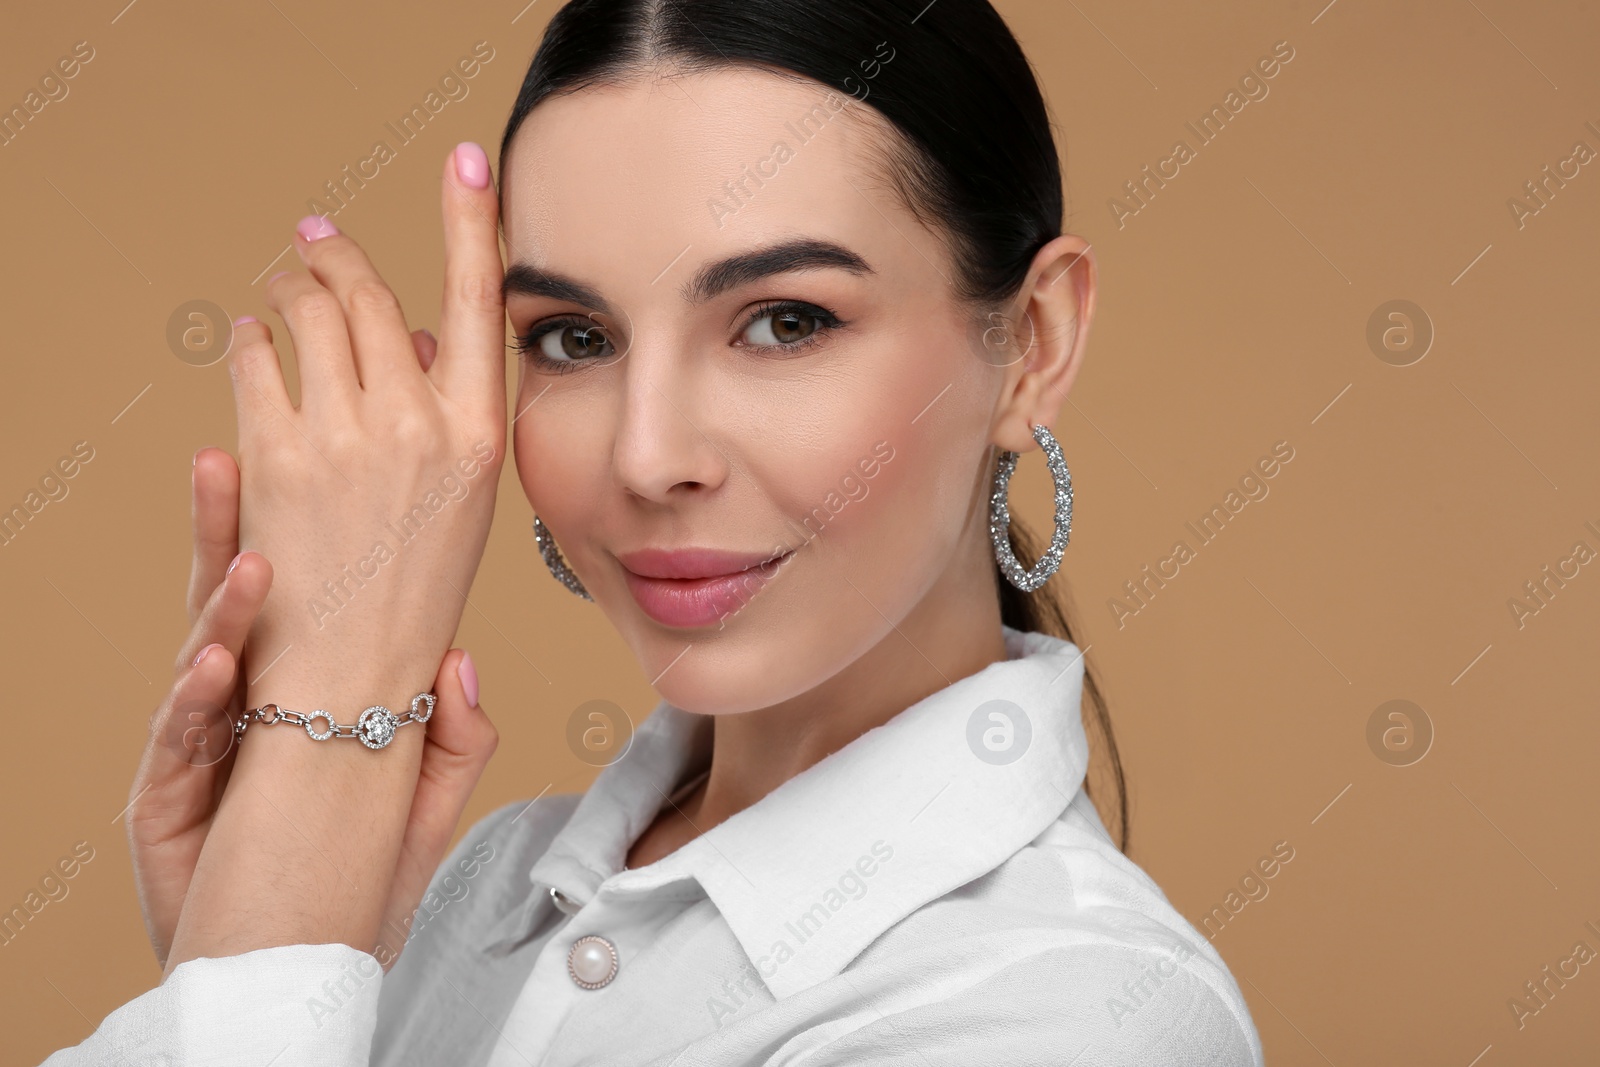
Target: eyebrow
(709, 282)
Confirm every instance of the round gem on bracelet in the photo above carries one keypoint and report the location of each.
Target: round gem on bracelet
(376, 726)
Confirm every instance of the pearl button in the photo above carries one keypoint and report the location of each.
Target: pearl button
(592, 962)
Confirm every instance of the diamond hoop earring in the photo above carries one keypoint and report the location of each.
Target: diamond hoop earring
(552, 559)
(1000, 515)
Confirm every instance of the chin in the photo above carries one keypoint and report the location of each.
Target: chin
(793, 636)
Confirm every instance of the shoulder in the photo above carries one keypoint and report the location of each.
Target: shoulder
(1091, 1004)
(1068, 949)
(1158, 979)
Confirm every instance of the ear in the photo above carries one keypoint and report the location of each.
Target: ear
(1051, 316)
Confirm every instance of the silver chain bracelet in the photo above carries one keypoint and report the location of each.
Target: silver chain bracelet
(375, 728)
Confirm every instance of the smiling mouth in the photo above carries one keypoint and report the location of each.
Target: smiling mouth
(696, 587)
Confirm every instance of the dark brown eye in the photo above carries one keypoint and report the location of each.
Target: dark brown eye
(567, 343)
(781, 328)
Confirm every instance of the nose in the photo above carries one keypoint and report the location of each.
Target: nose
(663, 448)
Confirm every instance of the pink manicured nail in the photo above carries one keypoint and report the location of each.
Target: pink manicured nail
(242, 319)
(235, 562)
(276, 276)
(204, 652)
(469, 678)
(472, 165)
(316, 227)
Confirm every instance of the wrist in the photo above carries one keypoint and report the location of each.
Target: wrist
(303, 821)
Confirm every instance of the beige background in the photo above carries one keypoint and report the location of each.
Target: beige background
(1233, 315)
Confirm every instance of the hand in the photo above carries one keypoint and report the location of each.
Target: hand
(180, 779)
(190, 750)
(372, 501)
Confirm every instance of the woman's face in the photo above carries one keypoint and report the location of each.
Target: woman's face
(744, 359)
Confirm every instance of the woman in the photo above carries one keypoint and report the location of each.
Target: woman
(790, 293)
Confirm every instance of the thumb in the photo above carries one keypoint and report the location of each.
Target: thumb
(460, 740)
(460, 736)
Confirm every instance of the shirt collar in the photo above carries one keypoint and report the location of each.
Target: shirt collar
(812, 873)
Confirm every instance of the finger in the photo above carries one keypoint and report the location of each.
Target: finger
(184, 769)
(461, 740)
(427, 347)
(259, 393)
(321, 340)
(230, 610)
(216, 524)
(379, 340)
(191, 740)
(472, 330)
(459, 743)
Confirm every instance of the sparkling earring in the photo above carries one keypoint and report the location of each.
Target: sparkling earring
(1000, 515)
(552, 559)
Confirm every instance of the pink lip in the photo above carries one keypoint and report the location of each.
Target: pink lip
(695, 586)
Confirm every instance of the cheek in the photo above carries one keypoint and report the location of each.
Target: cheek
(910, 510)
(560, 460)
(917, 423)
(862, 563)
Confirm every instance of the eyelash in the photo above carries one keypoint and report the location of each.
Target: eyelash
(527, 344)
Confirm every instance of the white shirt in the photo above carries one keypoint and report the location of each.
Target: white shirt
(938, 891)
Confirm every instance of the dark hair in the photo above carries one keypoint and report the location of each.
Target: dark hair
(975, 159)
